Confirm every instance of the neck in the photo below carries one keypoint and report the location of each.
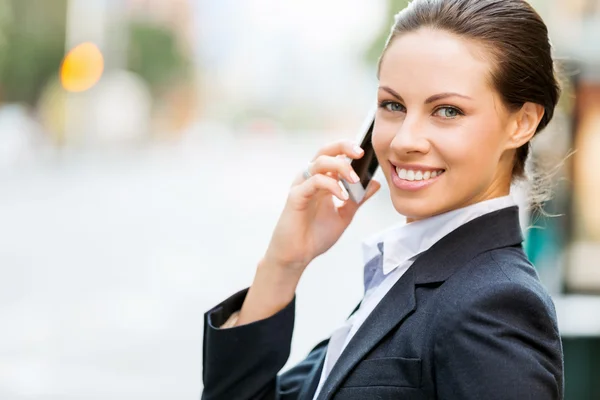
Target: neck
(470, 203)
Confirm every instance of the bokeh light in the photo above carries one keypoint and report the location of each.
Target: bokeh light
(82, 67)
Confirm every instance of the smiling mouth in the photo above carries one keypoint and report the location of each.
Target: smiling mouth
(417, 175)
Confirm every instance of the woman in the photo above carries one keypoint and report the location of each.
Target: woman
(452, 309)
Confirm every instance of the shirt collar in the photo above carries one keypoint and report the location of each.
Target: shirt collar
(404, 241)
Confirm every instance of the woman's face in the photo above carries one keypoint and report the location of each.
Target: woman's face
(440, 130)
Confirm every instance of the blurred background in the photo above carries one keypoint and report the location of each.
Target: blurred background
(146, 150)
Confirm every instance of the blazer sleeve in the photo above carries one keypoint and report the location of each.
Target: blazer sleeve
(243, 362)
(501, 343)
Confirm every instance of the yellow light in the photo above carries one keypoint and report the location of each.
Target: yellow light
(82, 67)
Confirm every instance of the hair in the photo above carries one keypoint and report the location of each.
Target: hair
(515, 37)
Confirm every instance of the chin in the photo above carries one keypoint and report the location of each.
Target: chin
(416, 209)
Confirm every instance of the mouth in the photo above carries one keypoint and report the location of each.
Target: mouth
(415, 178)
(412, 175)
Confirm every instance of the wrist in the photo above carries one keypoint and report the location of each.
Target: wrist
(283, 267)
(279, 280)
(284, 272)
(273, 288)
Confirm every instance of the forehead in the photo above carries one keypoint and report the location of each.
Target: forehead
(429, 61)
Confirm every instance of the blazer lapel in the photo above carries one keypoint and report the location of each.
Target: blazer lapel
(494, 230)
(312, 381)
(395, 306)
(491, 231)
(314, 377)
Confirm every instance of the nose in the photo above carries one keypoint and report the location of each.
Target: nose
(410, 138)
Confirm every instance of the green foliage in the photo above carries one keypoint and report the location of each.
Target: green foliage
(32, 37)
(28, 63)
(374, 51)
(154, 54)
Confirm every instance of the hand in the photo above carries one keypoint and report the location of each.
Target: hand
(311, 223)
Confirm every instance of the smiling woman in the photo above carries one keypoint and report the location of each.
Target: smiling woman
(452, 309)
(501, 93)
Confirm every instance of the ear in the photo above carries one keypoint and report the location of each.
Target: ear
(525, 123)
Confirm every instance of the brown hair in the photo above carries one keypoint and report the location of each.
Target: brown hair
(517, 40)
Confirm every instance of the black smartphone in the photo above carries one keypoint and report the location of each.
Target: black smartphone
(367, 165)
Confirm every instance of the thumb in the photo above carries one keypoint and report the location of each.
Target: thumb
(350, 208)
(373, 188)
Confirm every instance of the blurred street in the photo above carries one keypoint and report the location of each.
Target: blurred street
(131, 251)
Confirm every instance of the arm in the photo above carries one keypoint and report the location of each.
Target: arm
(502, 343)
(243, 362)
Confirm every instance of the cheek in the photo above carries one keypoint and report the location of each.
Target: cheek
(383, 134)
(476, 148)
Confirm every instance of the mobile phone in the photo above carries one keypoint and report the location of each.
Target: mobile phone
(366, 166)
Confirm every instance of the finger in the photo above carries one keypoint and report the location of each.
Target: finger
(345, 147)
(299, 179)
(333, 166)
(350, 208)
(320, 183)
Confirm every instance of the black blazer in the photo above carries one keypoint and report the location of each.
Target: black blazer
(468, 320)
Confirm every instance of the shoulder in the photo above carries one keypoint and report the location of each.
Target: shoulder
(501, 283)
(496, 332)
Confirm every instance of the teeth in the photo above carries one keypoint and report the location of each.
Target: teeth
(410, 175)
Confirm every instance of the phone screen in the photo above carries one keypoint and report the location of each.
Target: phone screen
(366, 166)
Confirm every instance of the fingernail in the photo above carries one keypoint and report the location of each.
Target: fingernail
(345, 195)
(353, 177)
(357, 149)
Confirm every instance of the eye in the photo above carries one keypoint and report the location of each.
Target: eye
(392, 106)
(448, 112)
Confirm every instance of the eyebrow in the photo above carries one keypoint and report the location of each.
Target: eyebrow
(430, 99)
